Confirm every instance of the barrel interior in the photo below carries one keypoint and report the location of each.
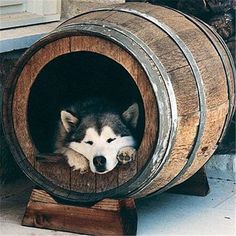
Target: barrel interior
(63, 81)
(70, 78)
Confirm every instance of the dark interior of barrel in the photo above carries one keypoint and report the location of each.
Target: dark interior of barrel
(73, 76)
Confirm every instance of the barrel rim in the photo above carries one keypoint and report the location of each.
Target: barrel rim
(11, 136)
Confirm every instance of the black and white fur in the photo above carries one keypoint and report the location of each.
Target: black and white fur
(93, 134)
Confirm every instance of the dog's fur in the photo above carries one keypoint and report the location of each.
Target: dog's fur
(92, 133)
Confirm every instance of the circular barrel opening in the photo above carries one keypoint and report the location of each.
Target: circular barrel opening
(74, 77)
(59, 72)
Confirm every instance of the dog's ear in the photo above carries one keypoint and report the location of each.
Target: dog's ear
(131, 115)
(68, 120)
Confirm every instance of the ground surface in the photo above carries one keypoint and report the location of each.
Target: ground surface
(165, 214)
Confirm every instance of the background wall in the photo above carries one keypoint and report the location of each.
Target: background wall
(72, 8)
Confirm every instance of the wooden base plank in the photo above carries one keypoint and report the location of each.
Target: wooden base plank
(107, 217)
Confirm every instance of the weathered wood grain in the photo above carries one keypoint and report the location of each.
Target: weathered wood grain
(214, 124)
(57, 173)
(126, 172)
(185, 137)
(19, 107)
(84, 183)
(185, 90)
(22, 91)
(107, 217)
(107, 181)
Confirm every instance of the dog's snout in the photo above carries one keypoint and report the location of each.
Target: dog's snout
(100, 163)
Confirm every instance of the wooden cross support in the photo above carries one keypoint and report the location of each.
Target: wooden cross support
(107, 217)
(197, 185)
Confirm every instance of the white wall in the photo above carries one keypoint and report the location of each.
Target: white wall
(72, 8)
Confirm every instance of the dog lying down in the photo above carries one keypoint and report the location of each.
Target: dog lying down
(97, 136)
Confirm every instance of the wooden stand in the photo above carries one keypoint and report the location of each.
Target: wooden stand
(107, 217)
(197, 185)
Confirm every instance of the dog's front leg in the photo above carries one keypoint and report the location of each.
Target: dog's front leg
(126, 154)
(75, 160)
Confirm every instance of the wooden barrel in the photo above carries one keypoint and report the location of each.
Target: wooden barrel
(184, 75)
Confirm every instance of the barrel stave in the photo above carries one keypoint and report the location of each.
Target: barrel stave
(187, 128)
(216, 119)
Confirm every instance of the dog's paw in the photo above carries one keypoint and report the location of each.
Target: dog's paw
(77, 161)
(126, 154)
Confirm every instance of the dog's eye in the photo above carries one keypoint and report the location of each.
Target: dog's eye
(89, 142)
(111, 140)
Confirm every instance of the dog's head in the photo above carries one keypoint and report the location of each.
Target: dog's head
(99, 137)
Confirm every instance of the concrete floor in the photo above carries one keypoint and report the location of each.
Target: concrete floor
(165, 214)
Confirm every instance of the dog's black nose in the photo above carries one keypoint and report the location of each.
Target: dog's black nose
(100, 163)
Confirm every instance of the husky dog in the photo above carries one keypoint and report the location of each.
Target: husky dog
(91, 133)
